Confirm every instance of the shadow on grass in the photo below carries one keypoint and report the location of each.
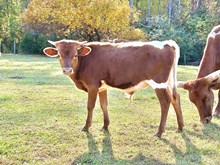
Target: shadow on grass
(190, 156)
(106, 156)
(193, 154)
(212, 131)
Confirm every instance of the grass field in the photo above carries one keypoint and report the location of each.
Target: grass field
(42, 114)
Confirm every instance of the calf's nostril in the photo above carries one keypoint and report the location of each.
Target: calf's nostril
(71, 70)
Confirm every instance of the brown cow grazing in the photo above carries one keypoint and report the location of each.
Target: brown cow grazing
(130, 66)
(200, 92)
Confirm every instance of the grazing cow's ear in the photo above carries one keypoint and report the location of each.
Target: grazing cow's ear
(83, 51)
(51, 52)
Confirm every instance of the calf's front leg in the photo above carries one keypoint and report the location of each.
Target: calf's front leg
(92, 95)
(104, 103)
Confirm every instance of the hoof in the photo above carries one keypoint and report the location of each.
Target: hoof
(105, 129)
(158, 135)
(85, 129)
(179, 130)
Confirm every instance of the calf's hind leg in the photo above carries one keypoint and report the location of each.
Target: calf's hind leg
(92, 95)
(175, 100)
(164, 100)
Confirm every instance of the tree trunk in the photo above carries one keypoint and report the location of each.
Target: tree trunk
(136, 4)
(195, 5)
(0, 48)
(158, 8)
(178, 9)
(131, 3)
(148, 13)
(170, 10)
(97, 34)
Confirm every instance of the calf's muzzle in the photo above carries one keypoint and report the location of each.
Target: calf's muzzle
(68, 71)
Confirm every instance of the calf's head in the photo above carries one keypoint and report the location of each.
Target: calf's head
(201, 94)
(68, 52)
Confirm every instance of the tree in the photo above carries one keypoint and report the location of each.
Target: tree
(169, 9)
(10, 18)
(90, 20)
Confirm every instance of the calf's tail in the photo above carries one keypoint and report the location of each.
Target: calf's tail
(172, 80)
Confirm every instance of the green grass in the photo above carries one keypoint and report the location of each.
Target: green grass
(41, 116)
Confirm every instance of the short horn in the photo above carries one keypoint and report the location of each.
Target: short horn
(185, 85)
(180, 84)
(52, 42)
(213, 76)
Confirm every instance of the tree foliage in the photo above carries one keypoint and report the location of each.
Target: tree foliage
(91, 20)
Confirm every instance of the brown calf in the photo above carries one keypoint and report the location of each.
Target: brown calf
(130, 66)
(200, 90)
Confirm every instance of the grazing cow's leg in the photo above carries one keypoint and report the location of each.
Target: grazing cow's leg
(217, 109)
(104, 103)
(92, 95)
(164, 100)
(175, 100)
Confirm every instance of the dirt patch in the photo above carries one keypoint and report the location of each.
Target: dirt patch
(17, 77)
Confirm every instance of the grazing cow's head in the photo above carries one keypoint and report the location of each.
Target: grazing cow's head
(68, 52)
(200, 93)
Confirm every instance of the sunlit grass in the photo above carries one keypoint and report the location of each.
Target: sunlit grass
(41, 116)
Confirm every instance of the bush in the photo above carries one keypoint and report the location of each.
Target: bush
(7, 45)
(5, 49)
(33, 43)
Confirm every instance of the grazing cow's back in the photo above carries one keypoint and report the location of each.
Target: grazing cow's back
(200, 92)
(129, 66)
(211, 58)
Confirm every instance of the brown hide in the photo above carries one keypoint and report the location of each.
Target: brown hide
(211, 57)
(200, 92)
(123, 66)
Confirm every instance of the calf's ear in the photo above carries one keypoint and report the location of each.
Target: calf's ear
(83, 51)
(51, 52)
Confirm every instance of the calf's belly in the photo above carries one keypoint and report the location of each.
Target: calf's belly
(140, 86)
